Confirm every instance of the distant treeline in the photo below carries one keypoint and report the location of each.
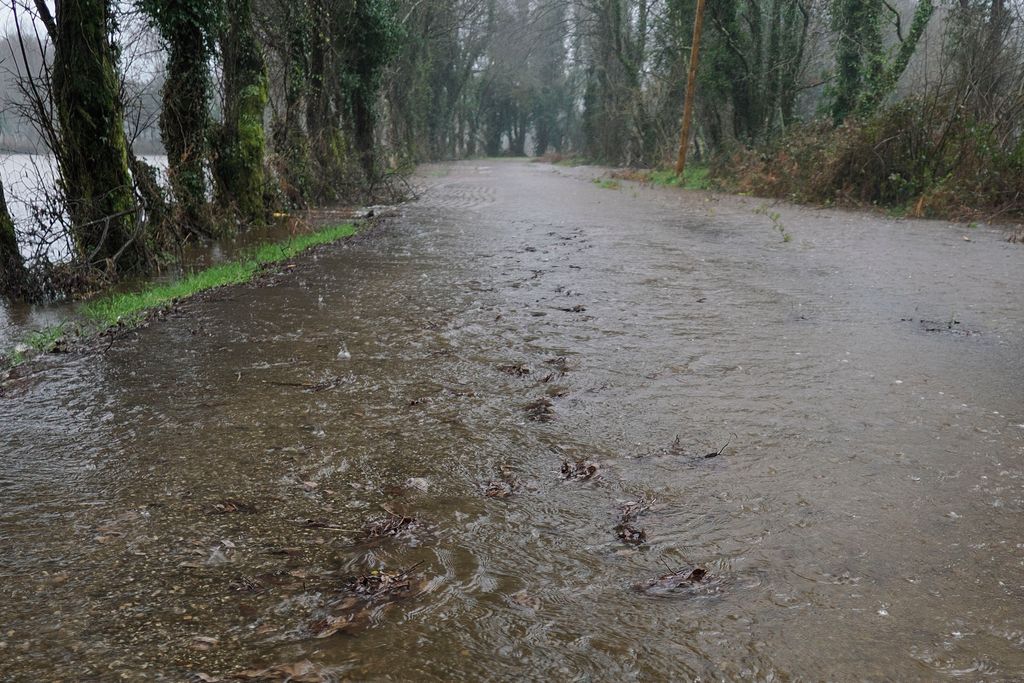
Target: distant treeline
(910, 104)
(270, 104)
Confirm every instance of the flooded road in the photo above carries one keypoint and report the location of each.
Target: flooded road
(217, 490)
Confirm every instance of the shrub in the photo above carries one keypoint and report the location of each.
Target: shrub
(922, 155)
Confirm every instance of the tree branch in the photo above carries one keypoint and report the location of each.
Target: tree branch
(46, 18)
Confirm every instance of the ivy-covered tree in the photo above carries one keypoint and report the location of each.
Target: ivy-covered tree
(371, 41)
(240, 152)
(92, 153)
(866, 71)
(188, 28)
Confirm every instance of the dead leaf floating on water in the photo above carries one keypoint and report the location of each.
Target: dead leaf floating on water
(362, 596)
(504, 487)
(247, 584)
(329, 626)
(515, 369)
(715, 454)
(299, 672)
(541, 410)
(632, 534)
(389, 525)
(499, 488)
(385, 584)
(628, 512)
(231, 505)
(634, 508)
(673, 580)
(580, 470)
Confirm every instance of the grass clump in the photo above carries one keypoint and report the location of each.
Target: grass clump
(130, 307)
(39, 341)
(44, 340)
(607, 183)
(695, 177)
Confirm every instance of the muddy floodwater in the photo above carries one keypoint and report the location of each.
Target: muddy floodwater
(355, 470)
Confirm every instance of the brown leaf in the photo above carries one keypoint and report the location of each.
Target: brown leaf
(581, 470)
(299, 672)
(325, 628)
(230, 505)
(541, 410)
(634, 508)
(631, 534)
(676, 579)
(515, 369)
(389, 525)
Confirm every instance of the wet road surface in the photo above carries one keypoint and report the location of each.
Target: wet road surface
(196, 500)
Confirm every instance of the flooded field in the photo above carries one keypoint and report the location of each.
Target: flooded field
(536, 429)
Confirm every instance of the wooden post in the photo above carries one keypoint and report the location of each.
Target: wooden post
(691, 85)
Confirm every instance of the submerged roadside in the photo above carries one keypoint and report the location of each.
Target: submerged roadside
(114, 312)
(743, 182)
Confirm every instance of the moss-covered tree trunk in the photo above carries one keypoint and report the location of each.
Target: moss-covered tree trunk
(184, 117)
(858, 46)
(12, 268)
(239, 168)
(93, 158)
(892, 69)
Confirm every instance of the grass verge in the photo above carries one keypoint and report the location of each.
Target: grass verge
(695, 177)
(131, 308)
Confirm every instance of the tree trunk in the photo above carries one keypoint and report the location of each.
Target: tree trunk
(239, 168)
(12, 268)
(291, 140)
(856, 23)
(93, 158)
(184, 118)
(363, 125)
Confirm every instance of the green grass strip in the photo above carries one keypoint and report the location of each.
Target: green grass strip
(132, 306)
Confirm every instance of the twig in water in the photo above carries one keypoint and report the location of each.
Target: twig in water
(715, 454)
